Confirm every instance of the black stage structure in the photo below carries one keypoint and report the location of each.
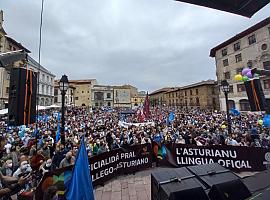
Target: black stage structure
(245, 8)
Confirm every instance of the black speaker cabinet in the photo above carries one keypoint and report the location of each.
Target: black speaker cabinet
(255, 95)
(22, 97)
(174, 184)
(222, 182)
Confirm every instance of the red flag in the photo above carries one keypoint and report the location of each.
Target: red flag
(146, 107)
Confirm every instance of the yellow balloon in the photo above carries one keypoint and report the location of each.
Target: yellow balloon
(223, 126)
(260, 122)
(238, 77)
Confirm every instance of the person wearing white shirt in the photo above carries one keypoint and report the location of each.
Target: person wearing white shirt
(8, 147)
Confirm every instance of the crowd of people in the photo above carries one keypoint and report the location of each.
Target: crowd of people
(38, 147)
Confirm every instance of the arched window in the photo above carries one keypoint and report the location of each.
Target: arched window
(244, 105)
(231, 104)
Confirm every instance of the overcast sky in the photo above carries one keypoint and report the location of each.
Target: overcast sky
(147, 43)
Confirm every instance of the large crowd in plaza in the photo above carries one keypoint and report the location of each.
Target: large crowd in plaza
(35, 148)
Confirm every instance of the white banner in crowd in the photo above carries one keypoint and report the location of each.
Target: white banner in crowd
(126, 124)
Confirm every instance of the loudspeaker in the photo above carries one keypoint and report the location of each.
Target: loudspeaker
(174, 184)
(22, 97)
(231, 190)
(255, 95)
(222, 182)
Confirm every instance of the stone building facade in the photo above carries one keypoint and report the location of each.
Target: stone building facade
(158, 97)
(250, 48)
(69, 96)
(102, 96)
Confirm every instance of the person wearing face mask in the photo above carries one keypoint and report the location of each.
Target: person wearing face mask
(11, 185)
(68, 160)
(7, 169)
(46, 166)
(24, 168)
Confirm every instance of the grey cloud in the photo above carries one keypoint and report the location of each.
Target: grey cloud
(147, 43)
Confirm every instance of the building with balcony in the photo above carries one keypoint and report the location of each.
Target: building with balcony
(102, 96)
(248, 49)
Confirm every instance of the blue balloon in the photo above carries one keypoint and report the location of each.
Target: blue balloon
(266, 120)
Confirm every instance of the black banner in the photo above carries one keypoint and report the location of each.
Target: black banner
(236, 158)
(139, 157)
(110, 164)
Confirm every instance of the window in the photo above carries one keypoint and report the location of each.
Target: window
(266, 84)
(251, 39)
(76, 98)
(51, 80)
(244, 105)
(55, 99)
(239, 70)
(224, 52)
(190, 92)
(241, 88)
(249, 64)
(266, 65)
(108, 95)
(231, 89)
(47, 79)
(71, 99)
(82, 91)
(134, 100)
(231, 104)
(185, 93)
(8, 76)
(109, 104)
(197, 91)
(55, 91)
(264, 47)
(7, 90)
(238, 57)
(96, 104)
(43, 77)
(197, 101)
(225, 62)
(42, 89)
(236, 46)
(227, 75)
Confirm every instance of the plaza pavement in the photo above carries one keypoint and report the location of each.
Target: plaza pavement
(132, 187)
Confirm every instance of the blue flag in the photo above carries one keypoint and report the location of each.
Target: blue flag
(80, 186)
(57, 137)
(171, 117)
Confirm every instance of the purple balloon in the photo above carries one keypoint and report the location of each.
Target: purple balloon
(245, 71)
(249, 74)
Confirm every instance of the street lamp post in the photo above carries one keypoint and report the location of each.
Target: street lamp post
(225, 87)
(63, 85)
